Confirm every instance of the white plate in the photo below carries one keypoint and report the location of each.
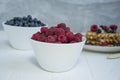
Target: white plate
(102, 48)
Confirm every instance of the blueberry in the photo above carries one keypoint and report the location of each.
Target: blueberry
(11, 22)
(25, 21)
(17, 18)
(42, 24)
(30, 20)
(115, 44)
(16, 24)
(29, 24)
(99, 31)
(101, 26)
(20, 24)
(24, 18)
(36, 25)
(25, 25)
(35, 20)
(29, 17)
(39, 22)
(32, 24)
(111, 31)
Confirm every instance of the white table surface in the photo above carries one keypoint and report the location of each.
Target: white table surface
(22, 65)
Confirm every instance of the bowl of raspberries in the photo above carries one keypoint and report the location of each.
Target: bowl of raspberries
(57, 48)
(20, 29)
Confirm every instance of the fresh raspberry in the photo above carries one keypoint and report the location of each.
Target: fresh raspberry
(67, 29)
(61, 25)
(69, 36)
(36, 36)
(57, 34)
(60, 31)
(51, 31)
(105, 28)
(42, 37)
(78, 37)
(43, 29)
(94, 28)
(104, 44)
(113, 27)
(50, 39)
(62, 38)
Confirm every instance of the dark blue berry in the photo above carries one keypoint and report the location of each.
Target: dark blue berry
(42, 24)
(32, 24)
(99, 31)
(11, 22)
(36, 24)
(25, 21)
(35, 20)
(111, 31)
(24, 18)
(101, 26)
(20, 24)
(29, 17)
(25, 25)
(115, 44)
(29, 24)
(39, 22)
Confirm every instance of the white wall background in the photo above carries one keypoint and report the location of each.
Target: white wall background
(78, 14)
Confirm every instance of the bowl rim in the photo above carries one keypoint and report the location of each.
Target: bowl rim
(3, 23)
(83, 41)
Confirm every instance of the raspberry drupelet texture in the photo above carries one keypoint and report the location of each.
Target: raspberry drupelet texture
(113, 27)
(94, 28)
(57, 34)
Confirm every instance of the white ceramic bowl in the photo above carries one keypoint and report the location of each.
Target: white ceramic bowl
(55, 57)
(19, 37)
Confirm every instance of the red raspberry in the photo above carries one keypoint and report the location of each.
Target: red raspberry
(94, 28)
(61, 25)
(104, 44)
(60, 31)
(69, 36)
(67, 29)
(50, 39)
(62, 38)
(57, 34)
(113, 27)
(78, 37)
(36, 36)
(51, 31)
(42, 37)
(43, 29)
(105, 28)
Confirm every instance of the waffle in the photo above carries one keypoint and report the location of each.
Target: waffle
(95, 38)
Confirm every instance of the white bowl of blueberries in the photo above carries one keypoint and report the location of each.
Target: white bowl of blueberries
(20, 29)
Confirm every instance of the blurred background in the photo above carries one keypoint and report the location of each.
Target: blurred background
(77, 14)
